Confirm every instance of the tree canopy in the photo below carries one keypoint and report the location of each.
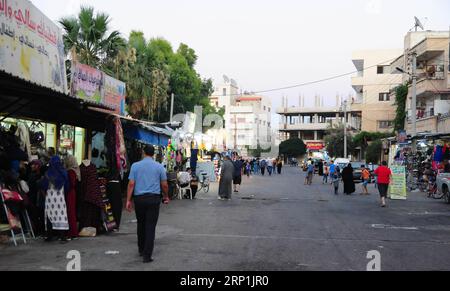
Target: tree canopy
(334, 140)
(151, 68)
(293, 147)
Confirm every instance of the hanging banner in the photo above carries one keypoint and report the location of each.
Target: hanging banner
(31, 45)
(113, 92)
(397, 188)
(86, 83)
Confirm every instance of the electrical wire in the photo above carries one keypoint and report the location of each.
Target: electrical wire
(311, 82)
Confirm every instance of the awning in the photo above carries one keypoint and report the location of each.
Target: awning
(25, 100)
(145, 133)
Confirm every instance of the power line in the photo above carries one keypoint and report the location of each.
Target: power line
(311, 82)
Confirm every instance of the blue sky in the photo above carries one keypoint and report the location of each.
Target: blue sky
(268, 44)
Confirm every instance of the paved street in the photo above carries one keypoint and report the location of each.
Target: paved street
(275, 223)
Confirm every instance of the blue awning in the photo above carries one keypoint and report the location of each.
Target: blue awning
(145, 134)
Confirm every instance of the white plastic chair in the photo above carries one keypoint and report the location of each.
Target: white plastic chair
(182, 191)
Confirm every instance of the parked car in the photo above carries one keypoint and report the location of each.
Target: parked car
(443, 186)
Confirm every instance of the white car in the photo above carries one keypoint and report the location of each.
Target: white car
(443, 186)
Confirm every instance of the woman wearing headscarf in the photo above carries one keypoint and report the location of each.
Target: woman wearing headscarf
(74, 175)
(347, 177)
(55, 185)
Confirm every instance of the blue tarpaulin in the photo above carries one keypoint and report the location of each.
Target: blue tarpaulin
(145, 135)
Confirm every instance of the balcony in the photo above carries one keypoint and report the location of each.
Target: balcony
(304, 126)
(430, 48)
(427, 87)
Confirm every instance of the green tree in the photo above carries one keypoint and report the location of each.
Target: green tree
(374, 152)
(188, 54)
(88, 36)
(293, 147)
(401, 93)
(334, 140)
(363, 138)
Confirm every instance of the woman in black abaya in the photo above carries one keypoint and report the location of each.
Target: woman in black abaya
(347, 177)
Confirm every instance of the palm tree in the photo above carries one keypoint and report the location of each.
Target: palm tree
(87, 35)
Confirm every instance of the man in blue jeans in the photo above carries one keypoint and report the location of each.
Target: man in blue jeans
(147, 181)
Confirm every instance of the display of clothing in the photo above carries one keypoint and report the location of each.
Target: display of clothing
(90, 197)
(438, 154)
(71, 198)
(194, 159)
(23, 134)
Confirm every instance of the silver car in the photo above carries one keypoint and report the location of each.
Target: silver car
(443, 186)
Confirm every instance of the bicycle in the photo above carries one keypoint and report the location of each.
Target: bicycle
(204, 182)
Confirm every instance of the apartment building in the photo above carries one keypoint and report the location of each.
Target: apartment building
(247, 118)
(433, 80)
(311, 123)
(373, 85)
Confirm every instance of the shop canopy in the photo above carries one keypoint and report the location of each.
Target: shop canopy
(25, 100)
(146, 132)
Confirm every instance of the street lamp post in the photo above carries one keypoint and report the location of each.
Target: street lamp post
(344, 108)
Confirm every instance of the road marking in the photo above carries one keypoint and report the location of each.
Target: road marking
(384, 226)
(202, 235)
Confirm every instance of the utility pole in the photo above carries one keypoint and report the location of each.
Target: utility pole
(345, 130)
(171, 107)
(414, 101)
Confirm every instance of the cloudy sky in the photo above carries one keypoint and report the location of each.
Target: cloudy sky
(266, 44)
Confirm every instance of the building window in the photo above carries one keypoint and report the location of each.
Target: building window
(241, 120)
(264, 108)
(224, 92)
(217, 104)
(385, 124)
(384, 97)
(269, 109)
(380, 70)
(268, 124)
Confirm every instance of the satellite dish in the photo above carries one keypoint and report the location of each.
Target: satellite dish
(418, 23)
(226, 79)
(233, 82)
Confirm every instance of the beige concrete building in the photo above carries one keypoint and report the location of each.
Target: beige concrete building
(247, 118)
(373, 84)
(433, 81)
(311, 123)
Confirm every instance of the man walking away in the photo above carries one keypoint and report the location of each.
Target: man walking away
(326, 172)
(332, 169)
(279, 165)
(383, 174)
(263, 166)
(269, 166)
(226, 179)
(365, 177)
(310, 173)
(146, 182)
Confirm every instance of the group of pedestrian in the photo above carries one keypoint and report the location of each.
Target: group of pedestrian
(333, 173)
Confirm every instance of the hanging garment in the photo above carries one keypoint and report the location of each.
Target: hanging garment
(72, 204)
(438, 155)
(90, 197)
(23, 134)
(194, 159)
(56, 209)
(121, 150)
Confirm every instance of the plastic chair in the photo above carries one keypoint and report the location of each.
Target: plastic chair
(182, 190)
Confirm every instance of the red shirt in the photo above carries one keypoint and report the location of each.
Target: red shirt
(383, 174)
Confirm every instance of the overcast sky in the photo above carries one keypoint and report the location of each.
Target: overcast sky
(266, 44)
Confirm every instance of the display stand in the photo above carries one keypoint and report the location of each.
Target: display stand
(14, 222)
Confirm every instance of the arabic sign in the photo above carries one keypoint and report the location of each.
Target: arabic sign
(397, 188)
(114, 92)
(86, 83)
(93, 85)
(31, 45)
(315, 146)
